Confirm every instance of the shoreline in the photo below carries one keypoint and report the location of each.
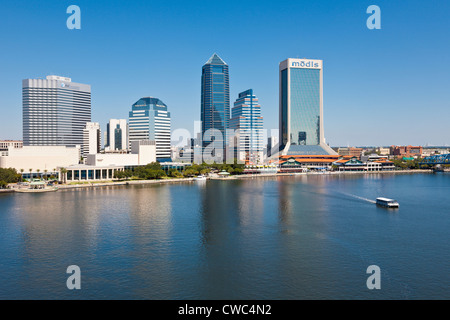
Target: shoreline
(235, 177)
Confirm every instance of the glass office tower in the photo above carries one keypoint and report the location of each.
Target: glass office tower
(247, 122)
(55, 111)
(150, 120)
(116, 135)
(215, 99)
(301, 108)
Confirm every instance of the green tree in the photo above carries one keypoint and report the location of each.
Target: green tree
(189, 172)
(174, 173)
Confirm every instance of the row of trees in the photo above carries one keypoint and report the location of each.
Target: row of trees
(154, 171)
(9, 175)
(407, 164)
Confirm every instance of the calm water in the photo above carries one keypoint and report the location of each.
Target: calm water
(299, 237)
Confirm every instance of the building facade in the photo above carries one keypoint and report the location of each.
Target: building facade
(247, 123)
(350, 151)
(116, 135)
(36, 160)
(215, 102)
(406, 151)
(6, 144)
(301, 107)
(91, 139)
(149, 119)
(55, 111)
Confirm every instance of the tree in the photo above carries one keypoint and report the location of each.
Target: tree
(189, 172)
(174, 173)
(63, 173)
(38, 170)
(30, 173)
(9, 175)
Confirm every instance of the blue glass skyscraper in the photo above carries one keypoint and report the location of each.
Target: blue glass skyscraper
(215, 99)
(247, 122)
(150, 120)
(301, 108)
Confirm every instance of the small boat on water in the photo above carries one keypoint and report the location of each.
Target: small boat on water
(29, 190)
(200, 178)
(37, 186)
(388, 203)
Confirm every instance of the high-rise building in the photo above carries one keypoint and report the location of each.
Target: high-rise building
(55, 111)
(116, 135)
(301, 108)
(247, 123)
(150, 120)
(91, 139)
(272, 146)
(215, 100)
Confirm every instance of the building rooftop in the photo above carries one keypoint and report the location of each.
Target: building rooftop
(215, 59)
(307, 150)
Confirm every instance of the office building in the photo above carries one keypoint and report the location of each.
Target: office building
(247, 123)
(272, 146)
(406, 151)
(91, 139)
(215, 102)
(149, 119)
(301, 108)
(116, 135)
(55, 111)
(350, 151)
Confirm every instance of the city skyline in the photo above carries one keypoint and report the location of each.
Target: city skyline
(384, 81)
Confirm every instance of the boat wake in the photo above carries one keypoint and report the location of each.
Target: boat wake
(358, 197)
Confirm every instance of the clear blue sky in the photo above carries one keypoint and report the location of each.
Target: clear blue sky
(381, 87)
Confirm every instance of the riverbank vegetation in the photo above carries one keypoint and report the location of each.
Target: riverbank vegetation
(9, 175)
(154, 171)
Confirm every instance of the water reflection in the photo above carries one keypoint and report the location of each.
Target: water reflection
(268, 238)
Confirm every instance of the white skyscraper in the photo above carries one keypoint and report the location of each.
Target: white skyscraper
(91, 139)
(55, 111)
(116, 135)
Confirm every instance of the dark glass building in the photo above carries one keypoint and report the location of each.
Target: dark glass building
(215, 99)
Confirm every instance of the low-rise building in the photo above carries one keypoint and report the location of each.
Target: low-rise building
(353, 152)
(406, 151)
(300, 163)
(142, 152)
(37, 160)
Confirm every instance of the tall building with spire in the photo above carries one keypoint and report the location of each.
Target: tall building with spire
(215, 101)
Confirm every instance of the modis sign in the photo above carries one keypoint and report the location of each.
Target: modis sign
(305, 63)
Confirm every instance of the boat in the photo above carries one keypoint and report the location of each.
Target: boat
(37, 186)
(388, 203)
(31, 190)
(200, 178)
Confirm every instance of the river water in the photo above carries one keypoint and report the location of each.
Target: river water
(294, 237)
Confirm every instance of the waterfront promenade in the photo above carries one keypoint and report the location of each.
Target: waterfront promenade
(97, 184)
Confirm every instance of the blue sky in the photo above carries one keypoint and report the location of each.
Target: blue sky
(381, 87)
